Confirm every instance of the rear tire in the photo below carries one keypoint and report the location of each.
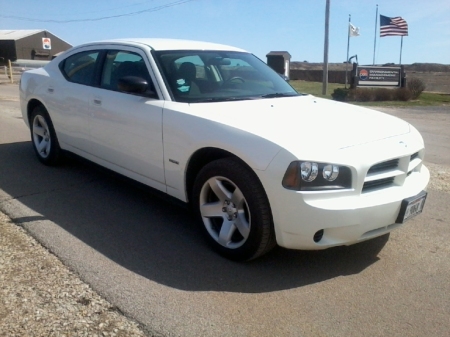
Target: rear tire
(43, 137)
(234, 210)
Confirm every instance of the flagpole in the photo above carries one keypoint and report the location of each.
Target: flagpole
(325, 51)
(375, 39)
(401, 47)
(348, 48)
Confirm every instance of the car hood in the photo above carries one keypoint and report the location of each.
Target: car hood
(301, 122)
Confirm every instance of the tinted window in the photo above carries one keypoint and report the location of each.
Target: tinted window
(119, 64)
(205, 76)
(200, 71)
(79, 68)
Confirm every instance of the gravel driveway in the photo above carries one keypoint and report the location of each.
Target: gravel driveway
(42, 297)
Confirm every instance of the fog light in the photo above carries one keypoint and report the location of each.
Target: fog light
(309, 171)
(318, 236)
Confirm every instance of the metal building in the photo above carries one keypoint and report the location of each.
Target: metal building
(29, 45)
(280, 62)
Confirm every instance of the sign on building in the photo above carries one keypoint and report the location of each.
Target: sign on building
(370, 76)
(46, 43)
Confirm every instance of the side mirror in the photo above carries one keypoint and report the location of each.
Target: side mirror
(132, 84)
(135, 85)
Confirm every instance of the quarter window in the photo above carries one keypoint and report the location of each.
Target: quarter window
(79, 68)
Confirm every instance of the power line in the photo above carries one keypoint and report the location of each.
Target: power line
(114, 8)
(149, 10)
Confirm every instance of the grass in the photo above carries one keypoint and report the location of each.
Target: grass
(314, 88)
(425, 99)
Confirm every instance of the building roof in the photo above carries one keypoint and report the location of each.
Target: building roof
(18, 34)
(282, 53)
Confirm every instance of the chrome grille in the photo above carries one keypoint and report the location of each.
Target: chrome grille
(374, 184)
(384, 166)
(390, 173)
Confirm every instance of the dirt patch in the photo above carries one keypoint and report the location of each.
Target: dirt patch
(440, 177)
(434, 81)
(39, 296)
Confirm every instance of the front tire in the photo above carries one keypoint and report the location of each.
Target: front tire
(234, 210)
(43, 137)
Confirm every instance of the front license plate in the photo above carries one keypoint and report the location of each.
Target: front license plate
(411, 207)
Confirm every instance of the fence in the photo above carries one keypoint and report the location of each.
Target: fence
(334, 76)
(13, 70)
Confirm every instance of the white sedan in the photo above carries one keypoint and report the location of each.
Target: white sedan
(215, 127)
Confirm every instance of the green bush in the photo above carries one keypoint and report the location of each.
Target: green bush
(416, 86)
(372, 94)
(340, 94)
(382, 94)
(402, 94)
(362, 95)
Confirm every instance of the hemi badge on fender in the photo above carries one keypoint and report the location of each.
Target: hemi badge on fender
(174, 161)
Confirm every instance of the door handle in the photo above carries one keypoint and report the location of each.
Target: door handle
(97, 101)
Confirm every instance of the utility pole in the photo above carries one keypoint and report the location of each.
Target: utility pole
(325, 52)
(375, 38)
(348, 49)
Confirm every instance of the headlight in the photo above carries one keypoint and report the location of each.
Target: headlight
(311, 176)
(330, 172)
(309, 171)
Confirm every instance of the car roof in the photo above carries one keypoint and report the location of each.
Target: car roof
(169, 44)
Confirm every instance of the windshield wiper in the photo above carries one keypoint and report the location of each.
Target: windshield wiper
(278, 94)
(222, 99)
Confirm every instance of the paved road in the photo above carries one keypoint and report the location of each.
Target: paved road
(144, 254)
(433, 123)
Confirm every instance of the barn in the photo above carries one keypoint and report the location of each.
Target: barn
(29, 45)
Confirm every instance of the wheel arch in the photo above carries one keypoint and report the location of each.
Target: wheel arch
(202, 157)
(261, 237)
(32, 104)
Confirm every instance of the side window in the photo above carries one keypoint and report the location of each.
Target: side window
(119, 64)
(79, 68)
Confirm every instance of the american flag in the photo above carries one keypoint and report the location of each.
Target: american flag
(393, 26)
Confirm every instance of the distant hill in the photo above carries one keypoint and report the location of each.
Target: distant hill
(428, 67)
(415, 67)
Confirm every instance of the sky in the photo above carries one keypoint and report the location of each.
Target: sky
(259, 26)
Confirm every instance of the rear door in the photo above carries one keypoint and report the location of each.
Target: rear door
(70, 105)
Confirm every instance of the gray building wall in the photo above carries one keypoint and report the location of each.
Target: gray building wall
(7, 51)
(30, 47)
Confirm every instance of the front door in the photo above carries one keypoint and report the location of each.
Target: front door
(126, 129)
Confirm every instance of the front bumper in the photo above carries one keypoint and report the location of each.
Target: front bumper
(350, 222)
(346, 217)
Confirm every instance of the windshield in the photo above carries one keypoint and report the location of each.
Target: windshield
(213, 76)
